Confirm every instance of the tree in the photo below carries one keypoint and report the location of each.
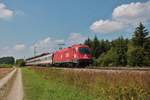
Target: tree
(107, 59)
(139, 54)
(140, 35)
(88, 42)
(117, 55)
(102, 46)
(136, 57)
(121, 48)
(98, 47)
(20, 62)
(120, 52)
(147, 44)
(147, 52)
(95, 47)
(7, 60)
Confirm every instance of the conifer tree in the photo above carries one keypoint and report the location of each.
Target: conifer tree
(95, 47)
(121, 47)
(88, 42)
(139, 55)
(140, 35)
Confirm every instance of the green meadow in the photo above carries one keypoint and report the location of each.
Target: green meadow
(59, 84)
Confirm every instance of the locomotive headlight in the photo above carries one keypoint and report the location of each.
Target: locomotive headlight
(85, 56)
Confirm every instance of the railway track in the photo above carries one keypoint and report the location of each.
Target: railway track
(93, 68)
(120, 68)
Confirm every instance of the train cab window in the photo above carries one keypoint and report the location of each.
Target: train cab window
(84, 50)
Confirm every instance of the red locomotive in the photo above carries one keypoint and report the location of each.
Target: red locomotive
(76, 55)
(73, 56)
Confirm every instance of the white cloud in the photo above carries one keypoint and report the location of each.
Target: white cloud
(5, 12)
(19, 47)
(6, 51)
(123, 16)
(43, 45)
(18, 51)
(132, 13)
(48, 44)
(75, 38)
(106, 26)
(46, 40)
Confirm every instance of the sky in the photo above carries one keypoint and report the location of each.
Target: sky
(25, 24)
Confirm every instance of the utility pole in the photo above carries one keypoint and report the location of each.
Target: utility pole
(24, 57)
(35, 50)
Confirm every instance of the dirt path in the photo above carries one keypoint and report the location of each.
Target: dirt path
(4, 80)
(16, 93)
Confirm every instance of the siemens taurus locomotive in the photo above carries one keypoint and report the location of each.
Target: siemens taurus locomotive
(76, 55)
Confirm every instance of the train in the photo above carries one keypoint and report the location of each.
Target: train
(78, 55)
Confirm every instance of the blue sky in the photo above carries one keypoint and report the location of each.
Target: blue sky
(44, 23)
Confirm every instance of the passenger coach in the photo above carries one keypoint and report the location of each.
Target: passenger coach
(42, 59)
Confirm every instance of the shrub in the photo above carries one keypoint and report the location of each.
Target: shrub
(136, 57)
(20, 62)
(5, 66)
(107, 59)
(7, 60)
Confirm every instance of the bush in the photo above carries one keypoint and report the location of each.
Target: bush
(7, 60)
(5, 66)
(136, 57)
(146, 60)
(20, 62)
(107, 59)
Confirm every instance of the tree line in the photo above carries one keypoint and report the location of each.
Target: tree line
(122, 51)
(10, 61)
(7, 60)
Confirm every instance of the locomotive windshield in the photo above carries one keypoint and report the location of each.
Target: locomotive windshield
(84, 50)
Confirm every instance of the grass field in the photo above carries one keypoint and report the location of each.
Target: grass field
(59, 84)
(6, 66)
(38, 87)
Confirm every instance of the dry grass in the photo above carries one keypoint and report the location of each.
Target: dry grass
(104, 84)
(4, 71)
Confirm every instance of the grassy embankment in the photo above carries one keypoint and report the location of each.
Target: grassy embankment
(6, 66)
(39, 87)
(56, 84)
